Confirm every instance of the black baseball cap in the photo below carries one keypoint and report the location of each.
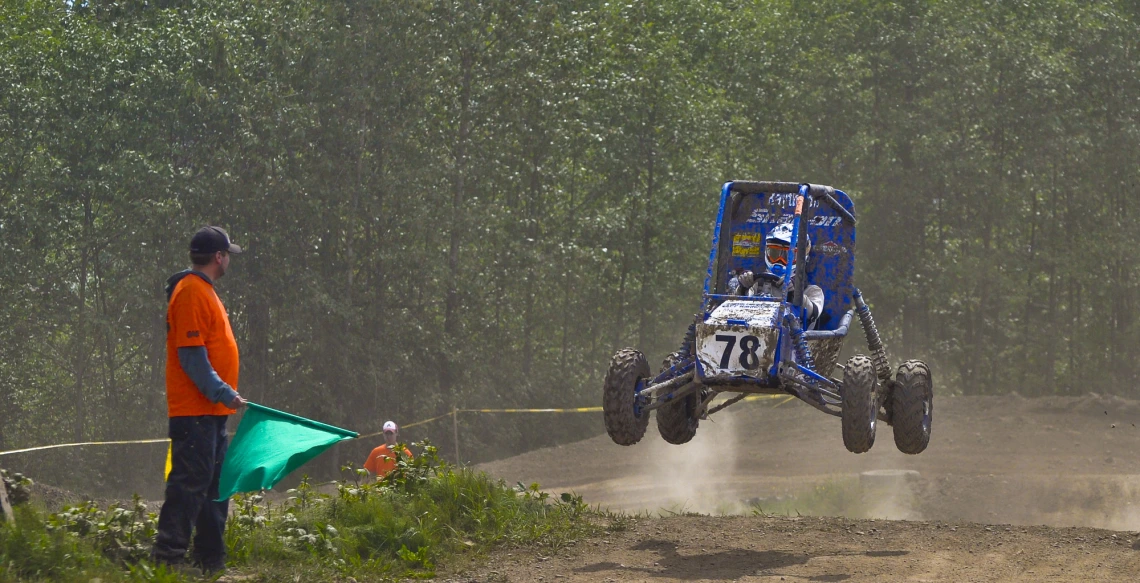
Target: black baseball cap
(211, 240)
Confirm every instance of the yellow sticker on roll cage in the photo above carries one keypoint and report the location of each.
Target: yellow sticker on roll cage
(747, 244)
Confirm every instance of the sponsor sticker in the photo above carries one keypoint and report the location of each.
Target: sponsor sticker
(760, 215)
(830, 248)
(825, 221)
(747, 244)
(791, 199)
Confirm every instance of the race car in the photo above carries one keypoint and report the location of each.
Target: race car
(779, 298)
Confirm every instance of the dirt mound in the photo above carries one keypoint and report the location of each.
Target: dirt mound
(1061, 461)
(765, 548)
(54, 499)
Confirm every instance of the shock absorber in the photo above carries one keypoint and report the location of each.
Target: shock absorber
(874, 342)
(799, 343)
(688, 341)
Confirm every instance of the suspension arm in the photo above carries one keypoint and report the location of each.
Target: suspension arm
(657, 395)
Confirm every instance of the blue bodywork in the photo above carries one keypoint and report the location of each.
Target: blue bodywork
(748, 211)
(831, 265)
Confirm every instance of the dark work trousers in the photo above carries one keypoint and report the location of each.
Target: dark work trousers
(198, 450)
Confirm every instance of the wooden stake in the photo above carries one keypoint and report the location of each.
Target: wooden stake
(11, 518)
(455, 432)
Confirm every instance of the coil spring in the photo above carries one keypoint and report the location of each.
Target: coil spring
(872, 332)
(689, 340)
(874, 342)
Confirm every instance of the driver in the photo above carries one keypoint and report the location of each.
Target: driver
(777, 250)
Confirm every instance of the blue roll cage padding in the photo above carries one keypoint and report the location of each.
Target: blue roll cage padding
(749, 210)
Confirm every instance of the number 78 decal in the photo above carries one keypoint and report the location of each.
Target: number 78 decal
(748, 346)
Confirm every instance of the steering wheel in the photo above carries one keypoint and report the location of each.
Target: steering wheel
(768, 277)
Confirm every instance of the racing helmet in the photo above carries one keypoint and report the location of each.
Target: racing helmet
(778, 249)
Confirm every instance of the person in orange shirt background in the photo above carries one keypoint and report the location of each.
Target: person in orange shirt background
(383, 459)
(201, 394)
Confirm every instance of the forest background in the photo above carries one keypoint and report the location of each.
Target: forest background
(457, 203)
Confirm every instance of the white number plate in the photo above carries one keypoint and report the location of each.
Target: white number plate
(733, 352)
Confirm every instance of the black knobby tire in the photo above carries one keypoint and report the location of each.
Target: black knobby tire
(912, 407)
(860, 404)
(677, 420)
(624, 426)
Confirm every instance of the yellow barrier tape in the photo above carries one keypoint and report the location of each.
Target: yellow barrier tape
(58, 445)
(408, 426)
(783, 402)
(438, 417)
(424, 421)
(572, 410)
(751, 398)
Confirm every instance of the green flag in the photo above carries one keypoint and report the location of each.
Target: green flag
(268, 445)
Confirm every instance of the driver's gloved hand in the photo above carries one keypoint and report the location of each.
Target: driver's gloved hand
(746, 279)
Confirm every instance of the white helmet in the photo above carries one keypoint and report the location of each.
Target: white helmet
(778, 249)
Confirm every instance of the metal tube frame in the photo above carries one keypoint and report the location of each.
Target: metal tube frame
(656, 395)
(801, 382)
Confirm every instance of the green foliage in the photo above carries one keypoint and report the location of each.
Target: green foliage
(35, 549)
(417, 517)
(18, 486)
(395, 528)
(835, 497)
(124, 534)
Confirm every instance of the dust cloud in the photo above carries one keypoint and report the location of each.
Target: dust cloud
(1060, 461)
(887, 494)
(693, 477)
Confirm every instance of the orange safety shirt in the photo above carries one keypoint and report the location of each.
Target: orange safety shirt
(195, 316)
(382, 460)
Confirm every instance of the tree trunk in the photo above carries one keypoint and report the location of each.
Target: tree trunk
(80, 350)
(255, 376)
(458, 195)
(645, 325)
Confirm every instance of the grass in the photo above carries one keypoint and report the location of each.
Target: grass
(835, 497)
(425, 514)
(32, 550)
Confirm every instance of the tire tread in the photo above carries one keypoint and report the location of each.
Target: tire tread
(860, 395)
(913, 386)
(623, 426)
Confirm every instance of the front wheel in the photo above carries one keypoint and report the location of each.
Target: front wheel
(912, 407)
(623, 423)
(860, 404)
(677, 420)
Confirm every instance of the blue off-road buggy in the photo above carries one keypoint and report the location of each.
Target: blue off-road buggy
(759, 341)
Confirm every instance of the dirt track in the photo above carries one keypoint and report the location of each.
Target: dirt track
(1026, 470)
(753, 549)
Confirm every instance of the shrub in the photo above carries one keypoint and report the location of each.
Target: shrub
(422, 514)
(18, 486)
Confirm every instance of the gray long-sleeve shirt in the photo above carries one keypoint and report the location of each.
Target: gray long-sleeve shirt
(196, 362)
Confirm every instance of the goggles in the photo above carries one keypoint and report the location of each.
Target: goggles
(777, 254)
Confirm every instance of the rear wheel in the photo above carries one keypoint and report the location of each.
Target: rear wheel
(912, 406)
(860, 404)
(677, 420)
(623, 424)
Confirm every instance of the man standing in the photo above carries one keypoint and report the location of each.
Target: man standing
(383, 459)
(201, 393)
